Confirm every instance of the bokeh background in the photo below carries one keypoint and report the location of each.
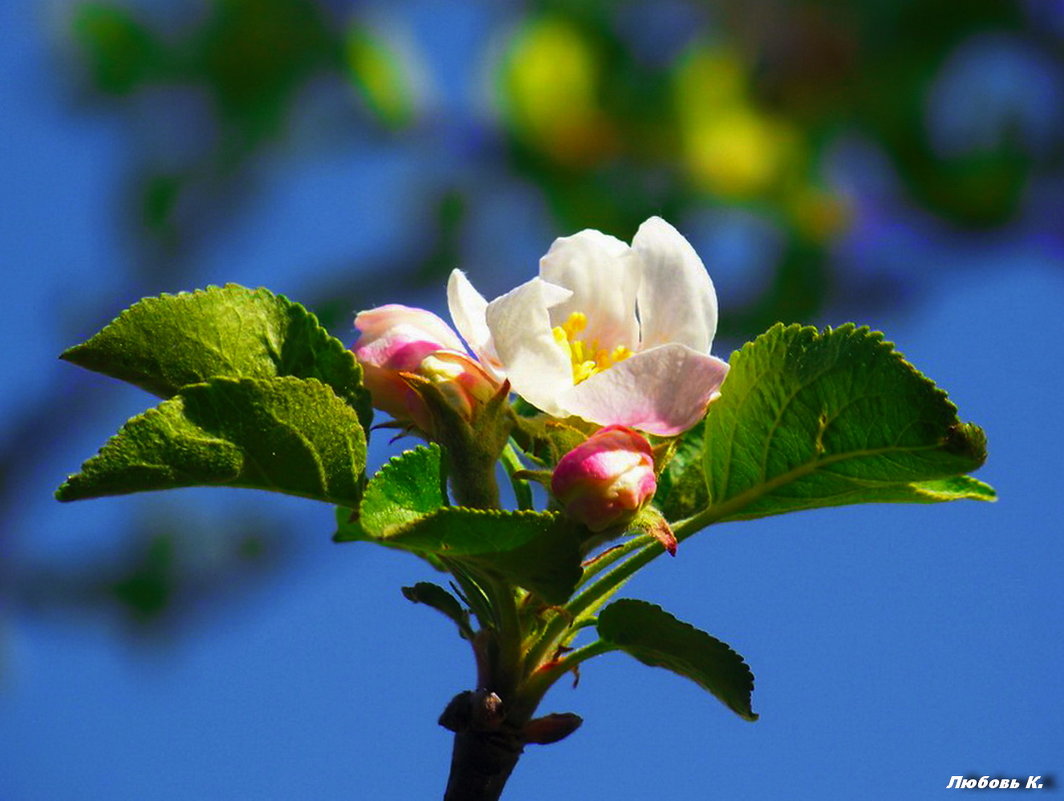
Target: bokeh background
(899, 163)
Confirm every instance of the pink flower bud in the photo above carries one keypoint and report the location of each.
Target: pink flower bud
(397, 342)
(606, 480)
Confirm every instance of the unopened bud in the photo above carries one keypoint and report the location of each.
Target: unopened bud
(461, 380)
(605, 481)
(397, 342)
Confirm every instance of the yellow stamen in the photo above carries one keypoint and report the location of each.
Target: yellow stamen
(587, 357)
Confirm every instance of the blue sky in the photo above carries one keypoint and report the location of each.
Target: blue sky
(893, 646)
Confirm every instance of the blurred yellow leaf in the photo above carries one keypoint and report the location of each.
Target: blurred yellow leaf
(378, 72)
(550, 85)
(728, 147)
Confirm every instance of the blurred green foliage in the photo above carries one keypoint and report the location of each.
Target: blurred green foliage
(613, 111)
(608, 111)
(167, 575)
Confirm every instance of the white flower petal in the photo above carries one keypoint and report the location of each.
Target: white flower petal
(677, 302)
(468, 310)
(519, 321)
(663, 391)
(604, 279)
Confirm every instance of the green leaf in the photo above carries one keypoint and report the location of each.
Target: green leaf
(435, 596)
(405, 506)
(165, 343)
(658, 639)
(809, 419)
(283, 434)
(682, 484)
(406, 489)
(536, 550)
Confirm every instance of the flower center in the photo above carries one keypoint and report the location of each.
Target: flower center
(587, 357)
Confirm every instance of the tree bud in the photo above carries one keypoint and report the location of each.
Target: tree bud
(605, 481)
(397, 342)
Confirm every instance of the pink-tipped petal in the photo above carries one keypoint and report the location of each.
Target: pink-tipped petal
(390, 391)
(662, 391)
(414, 324)
(396, 352)
(402, 349)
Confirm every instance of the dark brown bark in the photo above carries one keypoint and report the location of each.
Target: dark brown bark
(480, 765)
(486, 747)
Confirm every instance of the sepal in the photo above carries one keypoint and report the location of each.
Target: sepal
(547, 439)
(650, 521)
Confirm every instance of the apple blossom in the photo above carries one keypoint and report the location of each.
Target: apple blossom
(399, 345)
(611, 333)
(606, 480)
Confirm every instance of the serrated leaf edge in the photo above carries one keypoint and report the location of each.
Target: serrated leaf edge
(261, 294)
(153, 300)
(449, 511)
(879, 342)
(396, 462)
(746, 715)
(178, 398)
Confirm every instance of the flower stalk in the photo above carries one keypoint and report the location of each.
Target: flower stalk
(594, 342)
(607, 355)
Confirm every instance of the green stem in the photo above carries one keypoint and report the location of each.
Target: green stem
(564, 625)
(478, 600)
(508, 636)
(640, 551)
(473, 487)
(538, 683)
(607, 558)
(512, 462)
(599, 591)
(708, 516)
(487, 728)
